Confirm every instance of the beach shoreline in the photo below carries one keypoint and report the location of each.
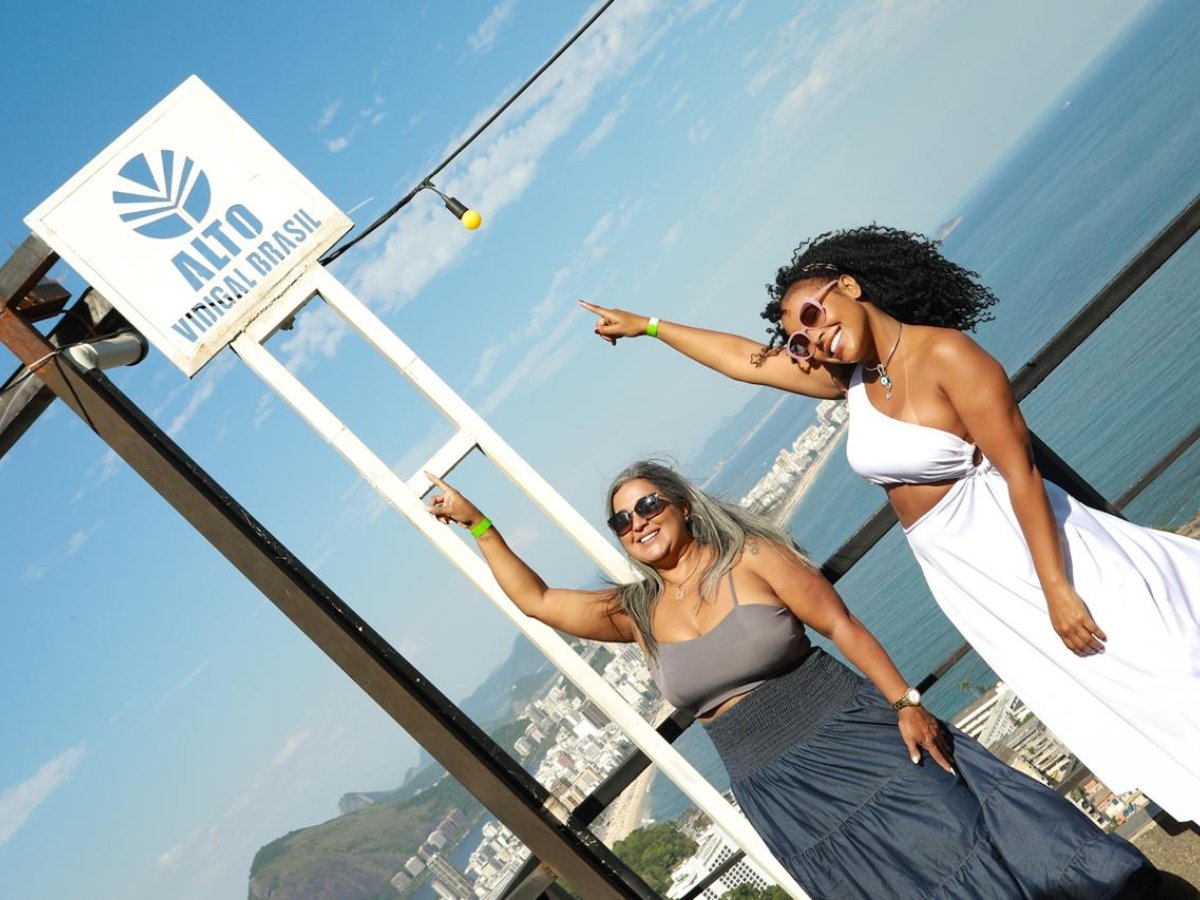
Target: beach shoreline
(784, 512)
(626, 812)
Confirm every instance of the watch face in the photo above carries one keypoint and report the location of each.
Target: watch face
(914, 696)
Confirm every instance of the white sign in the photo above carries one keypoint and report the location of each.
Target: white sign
(190, 224)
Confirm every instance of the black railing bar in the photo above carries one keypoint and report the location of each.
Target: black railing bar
(1159, 467)
(1108, 300)
(946, 665)
(1054, 468)
(709, 879)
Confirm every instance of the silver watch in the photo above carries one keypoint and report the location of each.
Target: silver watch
(911, 697)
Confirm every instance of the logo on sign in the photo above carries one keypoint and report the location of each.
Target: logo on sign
(171, 196)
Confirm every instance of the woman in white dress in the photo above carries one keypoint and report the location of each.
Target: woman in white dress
(1093, 621)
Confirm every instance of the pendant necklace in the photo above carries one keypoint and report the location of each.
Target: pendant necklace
(679, 588)
(881, 370)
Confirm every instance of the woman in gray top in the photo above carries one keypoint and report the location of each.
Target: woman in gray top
(856, 788)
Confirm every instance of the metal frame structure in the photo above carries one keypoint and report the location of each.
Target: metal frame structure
(553, 834)
(405, 496)
(34, 259)
(482, 766)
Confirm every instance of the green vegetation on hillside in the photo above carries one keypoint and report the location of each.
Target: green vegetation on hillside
(354, 855)
(747, 892)
(654, 851)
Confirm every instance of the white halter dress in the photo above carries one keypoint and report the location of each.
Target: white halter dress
(1132, 713)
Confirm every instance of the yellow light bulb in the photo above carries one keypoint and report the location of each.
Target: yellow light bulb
(471, 219)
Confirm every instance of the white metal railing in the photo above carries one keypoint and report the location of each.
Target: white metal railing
(405, 496)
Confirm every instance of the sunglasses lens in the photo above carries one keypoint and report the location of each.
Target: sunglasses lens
(811, 315)
(649, 506)
(798, 346)
(620, 523)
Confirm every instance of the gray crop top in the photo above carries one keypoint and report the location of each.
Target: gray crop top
(752, 644)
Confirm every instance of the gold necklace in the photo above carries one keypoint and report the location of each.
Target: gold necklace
(679, 588)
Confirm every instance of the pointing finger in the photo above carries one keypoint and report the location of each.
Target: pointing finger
(437, 481)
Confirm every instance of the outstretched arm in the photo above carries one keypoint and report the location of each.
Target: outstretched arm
(813, 601)
(734, 356)
(978, 389)
(586, 614)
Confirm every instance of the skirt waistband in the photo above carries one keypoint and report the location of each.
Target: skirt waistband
(781, 712)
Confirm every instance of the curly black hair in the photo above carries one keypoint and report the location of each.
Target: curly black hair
(901, 272)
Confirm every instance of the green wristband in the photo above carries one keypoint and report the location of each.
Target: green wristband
(481, 527)
(652, 327)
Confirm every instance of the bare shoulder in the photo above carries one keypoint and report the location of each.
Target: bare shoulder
(950, 353)
(769, 560)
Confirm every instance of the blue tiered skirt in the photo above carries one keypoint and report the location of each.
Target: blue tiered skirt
(819, 768)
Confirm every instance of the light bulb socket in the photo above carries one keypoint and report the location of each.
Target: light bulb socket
(455, 206)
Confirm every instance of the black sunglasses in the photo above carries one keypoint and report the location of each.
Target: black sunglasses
(647, 507)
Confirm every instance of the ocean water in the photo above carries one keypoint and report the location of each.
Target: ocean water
(1107, 168)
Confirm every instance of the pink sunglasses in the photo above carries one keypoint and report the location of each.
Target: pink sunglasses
(811, 315)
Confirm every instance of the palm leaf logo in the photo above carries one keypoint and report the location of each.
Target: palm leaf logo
(165, 200)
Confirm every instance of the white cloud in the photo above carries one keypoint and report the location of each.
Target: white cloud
(19, 802)
(540, 361)
(523, 537)
(79, 538)
(547, 340)
(203, 388)
(291, 746)
(791, 45)
(338, 144)
(183, 683)
(327, 114)
(487, 362)
(700, 131)
(602, 130)
(263, 409)
(671, 238)
(593, 245)
(33, 572)
(489, 29)
(736, 12)
(104, 469)
(170, 858)
(317, 333)
(818, 66)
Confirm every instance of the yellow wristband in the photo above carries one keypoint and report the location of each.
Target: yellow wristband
(481, 527)
(652, 326)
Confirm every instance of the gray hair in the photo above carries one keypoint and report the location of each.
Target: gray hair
(714, 523)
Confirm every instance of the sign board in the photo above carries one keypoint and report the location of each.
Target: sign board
(190, 224)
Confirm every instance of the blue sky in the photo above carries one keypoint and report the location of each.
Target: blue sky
(161, 720)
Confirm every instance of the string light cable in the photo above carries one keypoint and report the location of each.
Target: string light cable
(469, 217)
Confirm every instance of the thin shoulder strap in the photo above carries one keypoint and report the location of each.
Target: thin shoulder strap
(732, 589)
